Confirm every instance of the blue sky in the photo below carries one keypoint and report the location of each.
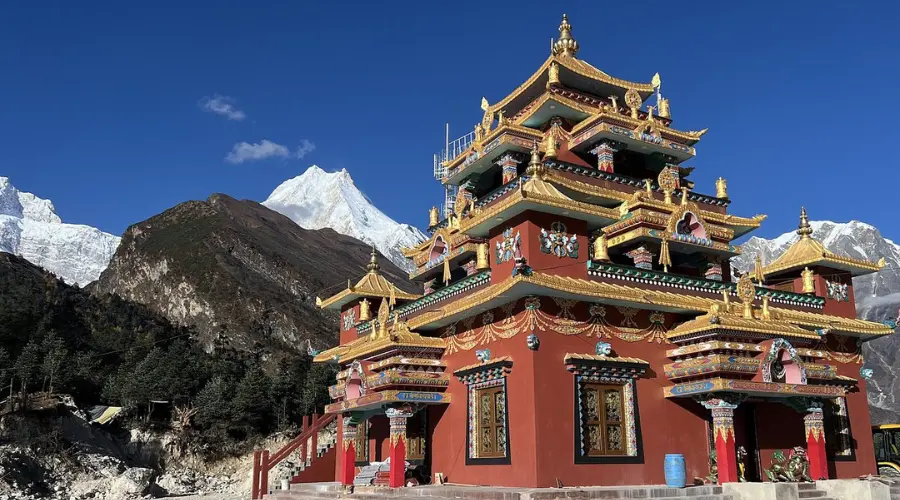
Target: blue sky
(101, 104)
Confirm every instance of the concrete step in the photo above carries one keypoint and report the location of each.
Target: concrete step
(302, 491)
(811, 494)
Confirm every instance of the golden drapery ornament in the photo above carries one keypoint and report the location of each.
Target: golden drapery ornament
(726, 300)
(365, 310)
(766, 314)
(446, 277)
(550, 148)
(665, 259)
(393, 297)
(663, 110)
(648, 186)
(746, 292)
(433, 217)
(600, 250)
(809, 283)
(721, 188)
(684, 196)
(553, 75)
(481, 256)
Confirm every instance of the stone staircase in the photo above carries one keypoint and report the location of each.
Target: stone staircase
(308, 457)
(334, 491)
(809, 490)
(895, 491)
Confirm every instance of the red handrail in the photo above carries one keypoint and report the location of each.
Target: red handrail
(263, 461)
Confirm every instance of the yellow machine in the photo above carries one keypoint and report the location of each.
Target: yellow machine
(887, 449)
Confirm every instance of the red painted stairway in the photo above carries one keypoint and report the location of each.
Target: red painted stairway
(316, 455)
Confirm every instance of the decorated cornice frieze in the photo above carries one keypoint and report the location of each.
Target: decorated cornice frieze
(716, 363)
(719, 384)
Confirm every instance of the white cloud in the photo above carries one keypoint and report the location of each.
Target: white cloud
(222, 105)
(306, 147)
(245, 151)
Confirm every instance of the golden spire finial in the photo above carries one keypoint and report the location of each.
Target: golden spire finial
(804, 230)
(534, 166)
(566, 45)
(373, 266)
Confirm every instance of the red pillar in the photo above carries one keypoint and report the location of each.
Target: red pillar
(723, 430)
(815, 444)
(398, 417)
(348, 453)
(722, 408)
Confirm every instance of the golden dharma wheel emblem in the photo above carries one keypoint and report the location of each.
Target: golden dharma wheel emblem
(666, 180)
(745, 289)
(633, 99)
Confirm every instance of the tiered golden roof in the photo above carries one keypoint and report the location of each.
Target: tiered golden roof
(806, 252)
(383, 339)
(373, 284)
(518, 286)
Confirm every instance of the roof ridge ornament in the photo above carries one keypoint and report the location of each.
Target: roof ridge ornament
(535, 166)
(373, 266)
(566, 45)
(804, 230)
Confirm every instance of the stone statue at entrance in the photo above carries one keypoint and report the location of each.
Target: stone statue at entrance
(713, 476)
(793, 469)
(741, 455)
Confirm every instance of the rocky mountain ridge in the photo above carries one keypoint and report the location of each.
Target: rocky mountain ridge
(317, 199)
(239, 271)
(30, 228)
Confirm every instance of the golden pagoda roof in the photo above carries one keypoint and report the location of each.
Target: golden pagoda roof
(382, 339)
(807, 251)
(373, 284)
(740, 225)
(506, 290)
(580, 73)
(711, 322)
(536, 190)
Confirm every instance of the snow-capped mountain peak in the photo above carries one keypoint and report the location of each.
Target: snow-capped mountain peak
(318, 199)
(30, 228)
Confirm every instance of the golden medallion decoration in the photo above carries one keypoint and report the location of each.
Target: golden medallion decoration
(633, 101)
(667, 183)
(746, 292)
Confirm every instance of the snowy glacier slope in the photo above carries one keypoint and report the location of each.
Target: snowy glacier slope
(30, 228)
(318, 199)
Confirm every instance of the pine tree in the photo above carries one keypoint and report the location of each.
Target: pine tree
(27, 365)
(55, 353)
(252, 401)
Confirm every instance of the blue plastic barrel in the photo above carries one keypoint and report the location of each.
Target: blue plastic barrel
(675, 472)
